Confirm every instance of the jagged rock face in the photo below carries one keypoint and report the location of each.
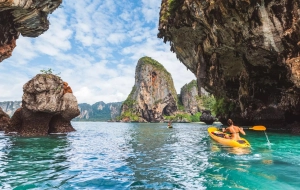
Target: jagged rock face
(85, 111)
(4, 120)
(115, 110)
(246, 53)
(189, 97)
(22, 16)
(99, 111)
(153, 94)
(10, 107)
(45, 108)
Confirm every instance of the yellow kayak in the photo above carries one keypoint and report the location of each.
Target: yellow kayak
(219, 137)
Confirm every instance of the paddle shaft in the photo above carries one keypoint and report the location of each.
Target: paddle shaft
(256, 128)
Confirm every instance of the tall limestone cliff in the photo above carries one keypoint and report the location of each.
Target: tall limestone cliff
(190, 98)
(246, 53)
(99, 111)
(26, 17)
(153, 94)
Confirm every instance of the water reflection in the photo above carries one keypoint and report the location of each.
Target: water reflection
(146, 156)
(232, 150)
(98, 156)
(238, 151)
(28, 161)
(168, 159)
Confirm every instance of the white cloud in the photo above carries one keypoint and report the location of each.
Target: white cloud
(95, 45)
(24, 51)
(116, 38)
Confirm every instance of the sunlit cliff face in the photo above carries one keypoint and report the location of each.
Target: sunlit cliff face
(247, 53)
(153, 94)
(25, 17)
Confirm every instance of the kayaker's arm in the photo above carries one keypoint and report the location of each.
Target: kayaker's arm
(242, 130)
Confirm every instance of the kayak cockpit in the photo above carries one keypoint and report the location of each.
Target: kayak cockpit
(219, 136)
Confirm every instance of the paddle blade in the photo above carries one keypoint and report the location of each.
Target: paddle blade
(258, 128)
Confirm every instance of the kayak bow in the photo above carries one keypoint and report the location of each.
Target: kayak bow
(218, 136)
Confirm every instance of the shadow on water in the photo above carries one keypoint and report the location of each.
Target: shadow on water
(32, 162)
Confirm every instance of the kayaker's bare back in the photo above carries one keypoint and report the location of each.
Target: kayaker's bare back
(234, 131)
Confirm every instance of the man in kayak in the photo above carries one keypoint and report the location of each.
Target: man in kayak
(234, 131)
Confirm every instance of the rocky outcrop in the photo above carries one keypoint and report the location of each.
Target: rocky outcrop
(4, 120)
(25, 17)
(246, 53)
(190, 98)
(207, 118)
(99, 111)
(10, 107)
(153, 94)
(45, 108)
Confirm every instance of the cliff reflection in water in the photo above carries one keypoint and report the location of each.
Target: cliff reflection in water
(160, 160)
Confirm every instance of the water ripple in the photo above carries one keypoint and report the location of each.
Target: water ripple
(146, 156)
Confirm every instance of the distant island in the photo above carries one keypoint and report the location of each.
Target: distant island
(98, 111)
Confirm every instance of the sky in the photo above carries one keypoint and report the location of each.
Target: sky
(94, 45)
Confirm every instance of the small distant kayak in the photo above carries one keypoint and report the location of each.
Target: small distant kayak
(170, 126)
(220, 138)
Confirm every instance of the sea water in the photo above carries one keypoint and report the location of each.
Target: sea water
(102, 155)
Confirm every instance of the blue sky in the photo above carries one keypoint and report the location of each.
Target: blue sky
(95, 46)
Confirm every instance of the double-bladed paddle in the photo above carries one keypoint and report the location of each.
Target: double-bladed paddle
(257, 128)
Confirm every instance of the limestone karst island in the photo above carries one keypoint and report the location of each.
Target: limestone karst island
(160, 94)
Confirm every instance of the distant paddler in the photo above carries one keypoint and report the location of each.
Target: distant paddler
(170, 124)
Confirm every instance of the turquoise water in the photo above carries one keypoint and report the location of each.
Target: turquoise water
(147, 156)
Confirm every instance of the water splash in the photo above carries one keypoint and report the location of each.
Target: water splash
(269, 144)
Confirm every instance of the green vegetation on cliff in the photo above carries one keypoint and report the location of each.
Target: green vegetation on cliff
(184, 117)
(180, 105)
(129, 104)
(156, 64)
(168, 8)
(209, 103)
(49, 72)
(189, 86)
(130, 114)
(221, 106)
